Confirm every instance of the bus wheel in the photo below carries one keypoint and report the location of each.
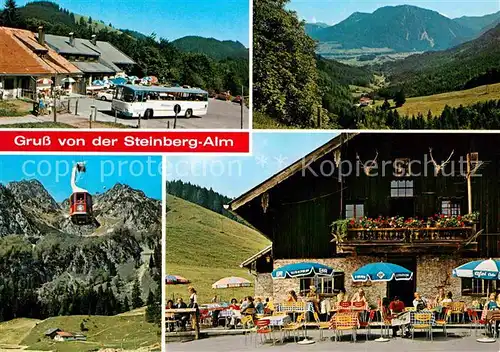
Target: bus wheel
(148, 114)
(189, 113)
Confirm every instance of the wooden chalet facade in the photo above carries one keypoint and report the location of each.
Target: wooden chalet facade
(296, 208)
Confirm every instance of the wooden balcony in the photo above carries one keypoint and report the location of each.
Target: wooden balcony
(408, 240)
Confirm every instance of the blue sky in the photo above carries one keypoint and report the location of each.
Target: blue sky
(54, 172)
(334, 11)
(170, 19)
(234, 175)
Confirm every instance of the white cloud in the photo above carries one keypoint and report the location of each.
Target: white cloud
(313, 20)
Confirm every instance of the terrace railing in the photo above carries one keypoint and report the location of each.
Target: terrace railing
(376, 240)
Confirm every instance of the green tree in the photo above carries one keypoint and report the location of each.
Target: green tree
(126, 305)
(386, 105)
(400, 98)
(89, 20)
(153, 310)
(137, 301)
(284, 72)
(10, 16)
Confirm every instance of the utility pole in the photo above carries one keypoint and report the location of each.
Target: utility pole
(469, 185)
(90, 117)
(242, 102)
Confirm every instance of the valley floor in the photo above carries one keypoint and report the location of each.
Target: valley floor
(127, 331)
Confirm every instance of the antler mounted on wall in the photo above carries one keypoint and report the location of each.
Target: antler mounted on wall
(369, 165)
(439, 167)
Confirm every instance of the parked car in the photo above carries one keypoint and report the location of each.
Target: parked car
(238, 99)
(223, 96)
(106, 95)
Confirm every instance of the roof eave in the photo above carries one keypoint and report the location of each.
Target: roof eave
(256, 256)
(284, 174)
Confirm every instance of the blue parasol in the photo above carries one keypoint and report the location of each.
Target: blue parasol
(305, 269)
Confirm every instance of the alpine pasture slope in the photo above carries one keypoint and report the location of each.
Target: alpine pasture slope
(204, 246)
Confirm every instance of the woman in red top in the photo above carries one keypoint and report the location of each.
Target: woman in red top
(234, 304)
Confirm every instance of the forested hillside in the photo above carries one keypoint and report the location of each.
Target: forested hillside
(466, 66)
(201, 196)
(50, 267)
(154, 56)
(212, 47)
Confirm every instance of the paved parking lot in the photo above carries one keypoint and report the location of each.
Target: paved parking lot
(458, 341)
(221, 114)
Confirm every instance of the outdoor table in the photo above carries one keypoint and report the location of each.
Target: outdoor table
(278, 320)
(408, 318)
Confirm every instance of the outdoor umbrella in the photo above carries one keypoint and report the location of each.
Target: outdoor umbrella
(151, 79)
(44, 81)
(488, 269)
(97, 82)
(303, 270)
(175, 280)
(381, 272)
(119, 80)
(232, 282)
(68, 80)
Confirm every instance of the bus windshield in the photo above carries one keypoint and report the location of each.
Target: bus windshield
(124, 94)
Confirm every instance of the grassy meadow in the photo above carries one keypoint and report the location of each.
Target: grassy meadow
(129, 332)
(436, 103)
(204, 246)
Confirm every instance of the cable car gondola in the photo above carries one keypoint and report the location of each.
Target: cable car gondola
(80, 202)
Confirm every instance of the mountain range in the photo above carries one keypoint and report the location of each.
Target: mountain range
(465, 66)
(212, 47)
(51, 12)
(403, 28)
(38, 239)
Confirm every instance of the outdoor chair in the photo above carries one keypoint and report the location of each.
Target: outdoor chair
(475, 321)
(294, 327)
(205, 318)
(345, 322)
(250, 331)
(423, 321)
(443, 318)
(344, 307)
(458, 309)
(370, 323)
(263, 330)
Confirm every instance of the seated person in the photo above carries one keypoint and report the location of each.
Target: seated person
(396, 306)
(341, 296)
(292, 296)
(449, 298)
(170, 316)
(440, 296)
(259, 306)
(419, 302)
(492, 303)
(248, 309)
(360, 297)
(234, 304)
(181, 317)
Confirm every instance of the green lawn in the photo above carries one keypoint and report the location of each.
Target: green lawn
(15, 108)
(204, 246)
(14, 331)
(263, 122)
(437, 102)
(37, 125)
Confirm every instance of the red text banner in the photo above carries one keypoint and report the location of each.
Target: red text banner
(124, 142)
